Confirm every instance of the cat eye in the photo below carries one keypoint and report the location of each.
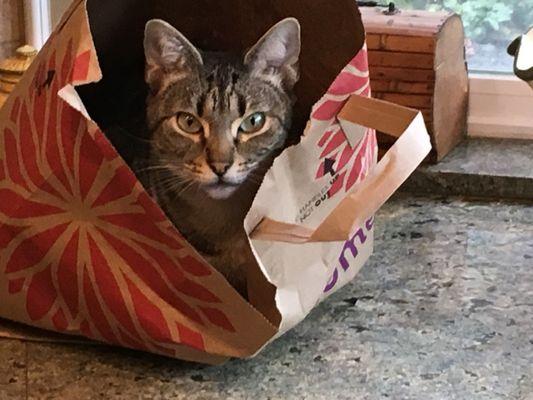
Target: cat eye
(189, 123)
(253, 123)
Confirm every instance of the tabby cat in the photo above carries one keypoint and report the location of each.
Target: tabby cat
(216, 123)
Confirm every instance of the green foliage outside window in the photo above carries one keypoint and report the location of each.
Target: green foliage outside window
(486, 21)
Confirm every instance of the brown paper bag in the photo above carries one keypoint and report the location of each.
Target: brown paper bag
(85, 251)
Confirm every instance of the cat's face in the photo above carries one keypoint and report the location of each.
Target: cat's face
(216, 120)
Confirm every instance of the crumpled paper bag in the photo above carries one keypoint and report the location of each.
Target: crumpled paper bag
(85, 251)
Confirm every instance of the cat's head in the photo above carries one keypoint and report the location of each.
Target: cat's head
(215, 119)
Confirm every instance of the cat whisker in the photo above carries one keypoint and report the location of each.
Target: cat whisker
(178, 187)
(182, 191)
(153, 168)
(167, 182)
(174, 184)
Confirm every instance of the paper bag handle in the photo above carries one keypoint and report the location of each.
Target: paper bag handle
(411, 148)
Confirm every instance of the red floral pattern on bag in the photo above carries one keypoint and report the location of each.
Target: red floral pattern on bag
(79, 238)
(339, 158)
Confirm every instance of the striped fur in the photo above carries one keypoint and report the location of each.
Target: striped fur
(206, 180)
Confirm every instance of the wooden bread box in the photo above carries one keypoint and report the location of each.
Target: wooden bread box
(417, 59)
(12, 69)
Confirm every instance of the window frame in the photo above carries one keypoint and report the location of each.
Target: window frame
(37, 18)
(501, 106)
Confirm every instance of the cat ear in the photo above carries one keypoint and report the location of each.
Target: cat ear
(166, 51)
(278, 50)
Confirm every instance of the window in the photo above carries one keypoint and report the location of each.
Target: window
(500, 104)
(41, 17)
(490, 26)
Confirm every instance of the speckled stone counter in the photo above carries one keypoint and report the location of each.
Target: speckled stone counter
(489, 168)
(444, 310)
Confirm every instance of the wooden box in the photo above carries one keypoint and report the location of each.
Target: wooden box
(417, 59)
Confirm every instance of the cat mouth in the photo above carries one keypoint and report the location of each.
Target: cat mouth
(221, 182)
(220, 189)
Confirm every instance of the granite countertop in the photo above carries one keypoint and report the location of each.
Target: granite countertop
(487, 168)
(443, 310)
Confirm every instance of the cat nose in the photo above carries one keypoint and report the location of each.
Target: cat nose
(220, 168)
